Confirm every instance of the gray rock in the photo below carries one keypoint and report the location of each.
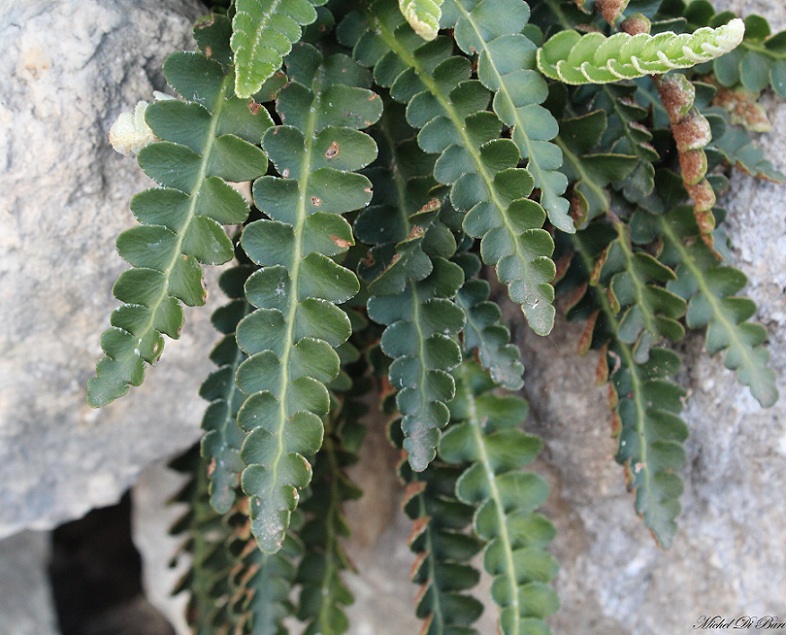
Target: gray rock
(73, 67)
(25, 602)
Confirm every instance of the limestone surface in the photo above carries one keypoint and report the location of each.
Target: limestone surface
(69, 68)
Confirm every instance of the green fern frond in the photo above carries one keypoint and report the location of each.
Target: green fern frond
(449, 108)
(263, 32)
(591, 171)
(291, 337)
(634, 283)
(205, 536)
(443, 550)
(506, 66)
(411, 283)
(593, 58)
(207, 139)
(223, 437)
(260, 583)
(485, 333)
(709, 288)
(645, 401)
(485, 436)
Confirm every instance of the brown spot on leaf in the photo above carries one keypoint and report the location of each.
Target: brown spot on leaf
(344, 244)
(316, 201)
(208, 51)
(211, 467)
(611, 9)
(254, 107)
(432, 206)
(332, 151)
(602, 369)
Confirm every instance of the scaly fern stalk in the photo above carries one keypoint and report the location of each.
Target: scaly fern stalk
(291, 337)
(449, 108)
(486, 437)
(691, 132)
(206, 140)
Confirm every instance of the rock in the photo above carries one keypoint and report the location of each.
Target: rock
(64, 194)
(25, 601)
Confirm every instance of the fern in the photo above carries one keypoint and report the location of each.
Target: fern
(411, 285)
(506, 66)
(487, 439)
(443, 551)
(481, 168)
(423, 16)
(645, 401)
(223, 437)
(595, 59)
(291, 336)
(205, 142)
(709, 289)
(263, 32)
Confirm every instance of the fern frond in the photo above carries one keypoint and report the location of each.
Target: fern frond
(485, 333)
(324, 594)
(486, 437)
(593, 58)
(205, 536)
(645, 400)
(207, 139)
(634, 284)
(710, 288)
(291, 337)
(260, 583)
(590, 171)
(486, 185)
(506, 66)
(223, 437)
(423, 16)
(411, 283)
(263, 32)
(443, 550)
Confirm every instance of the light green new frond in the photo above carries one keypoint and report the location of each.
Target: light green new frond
(263, 32)
(423, 16)
(208, 138)
(292, 336)
(593, 58)
(485, 437)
